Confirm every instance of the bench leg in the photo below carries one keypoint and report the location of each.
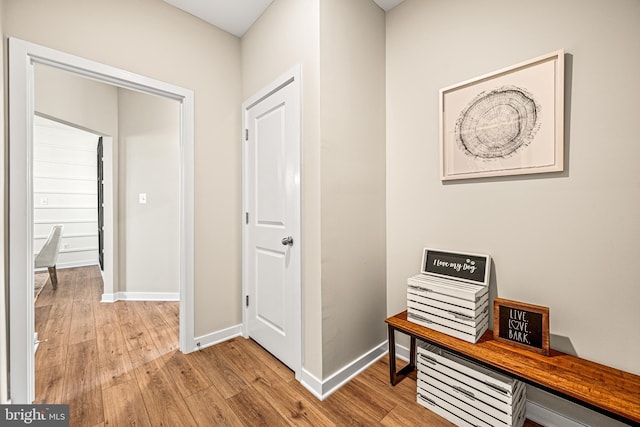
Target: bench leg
(394, 376)
(53, 274)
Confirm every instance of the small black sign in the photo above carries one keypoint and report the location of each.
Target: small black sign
(522, 325)
(471, 268)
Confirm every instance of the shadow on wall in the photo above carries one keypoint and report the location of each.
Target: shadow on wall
(557, 342)
(493, 291)
(562, 343)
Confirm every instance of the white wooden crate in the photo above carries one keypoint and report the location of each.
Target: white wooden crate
(450, 318)
(455, 308)
(458, 412)
(446, 311)
(463, 293)
(466, 393)
(466, 308)
(466, 333)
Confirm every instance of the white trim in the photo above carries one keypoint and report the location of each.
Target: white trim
(22, 57)
(323, 389)
(110, 206)
(74, 264)
(21, 311)
(311, 383)
(141, 296)
(217, 337)
(71, 250)
(111, 297)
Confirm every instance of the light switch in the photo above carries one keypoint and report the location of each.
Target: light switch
(142, 198)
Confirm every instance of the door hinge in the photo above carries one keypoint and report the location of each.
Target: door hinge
(247, 300)
(246, 217)
(246, 134)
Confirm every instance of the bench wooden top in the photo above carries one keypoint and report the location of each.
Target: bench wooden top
(594, 385)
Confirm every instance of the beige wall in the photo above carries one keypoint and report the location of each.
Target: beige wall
(343, 186)
(287, 34)
(567, 241)
(352, 120)
(77, 100)
(149, 160)
(152, 38)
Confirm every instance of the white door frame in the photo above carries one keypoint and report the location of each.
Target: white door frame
(293, 76)
(22, 57)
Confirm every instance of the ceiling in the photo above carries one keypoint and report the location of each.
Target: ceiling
(236, 16)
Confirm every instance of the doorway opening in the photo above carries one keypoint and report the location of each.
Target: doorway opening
(23, 56)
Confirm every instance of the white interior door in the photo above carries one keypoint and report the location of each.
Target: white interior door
(272, 220)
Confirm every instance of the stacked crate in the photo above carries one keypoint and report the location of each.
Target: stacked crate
(452, 307)
(466, 393)
(451, 294)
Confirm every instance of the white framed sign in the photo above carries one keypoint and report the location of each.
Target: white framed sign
(466, 267)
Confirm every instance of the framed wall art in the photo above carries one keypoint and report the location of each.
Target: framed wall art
(509, 122)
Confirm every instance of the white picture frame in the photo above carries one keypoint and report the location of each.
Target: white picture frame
(508, 122)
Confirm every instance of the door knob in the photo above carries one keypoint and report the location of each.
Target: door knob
(287, 241)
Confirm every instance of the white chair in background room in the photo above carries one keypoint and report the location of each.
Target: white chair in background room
(48, 255)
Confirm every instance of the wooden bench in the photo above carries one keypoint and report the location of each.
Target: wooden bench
(609, 391)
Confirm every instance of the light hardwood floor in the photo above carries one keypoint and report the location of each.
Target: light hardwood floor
(119, 365)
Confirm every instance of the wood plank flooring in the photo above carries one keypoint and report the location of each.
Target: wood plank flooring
(119, 365)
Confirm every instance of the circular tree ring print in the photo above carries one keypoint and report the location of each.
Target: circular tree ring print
(498, 123)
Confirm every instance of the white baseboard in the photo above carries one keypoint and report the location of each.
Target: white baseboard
(74, 264)
(548, 418)
(535, 412)
(323, 389)
(311, 383)
(402, 352)
(214, 338)
(141, 296)
(61, 266)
